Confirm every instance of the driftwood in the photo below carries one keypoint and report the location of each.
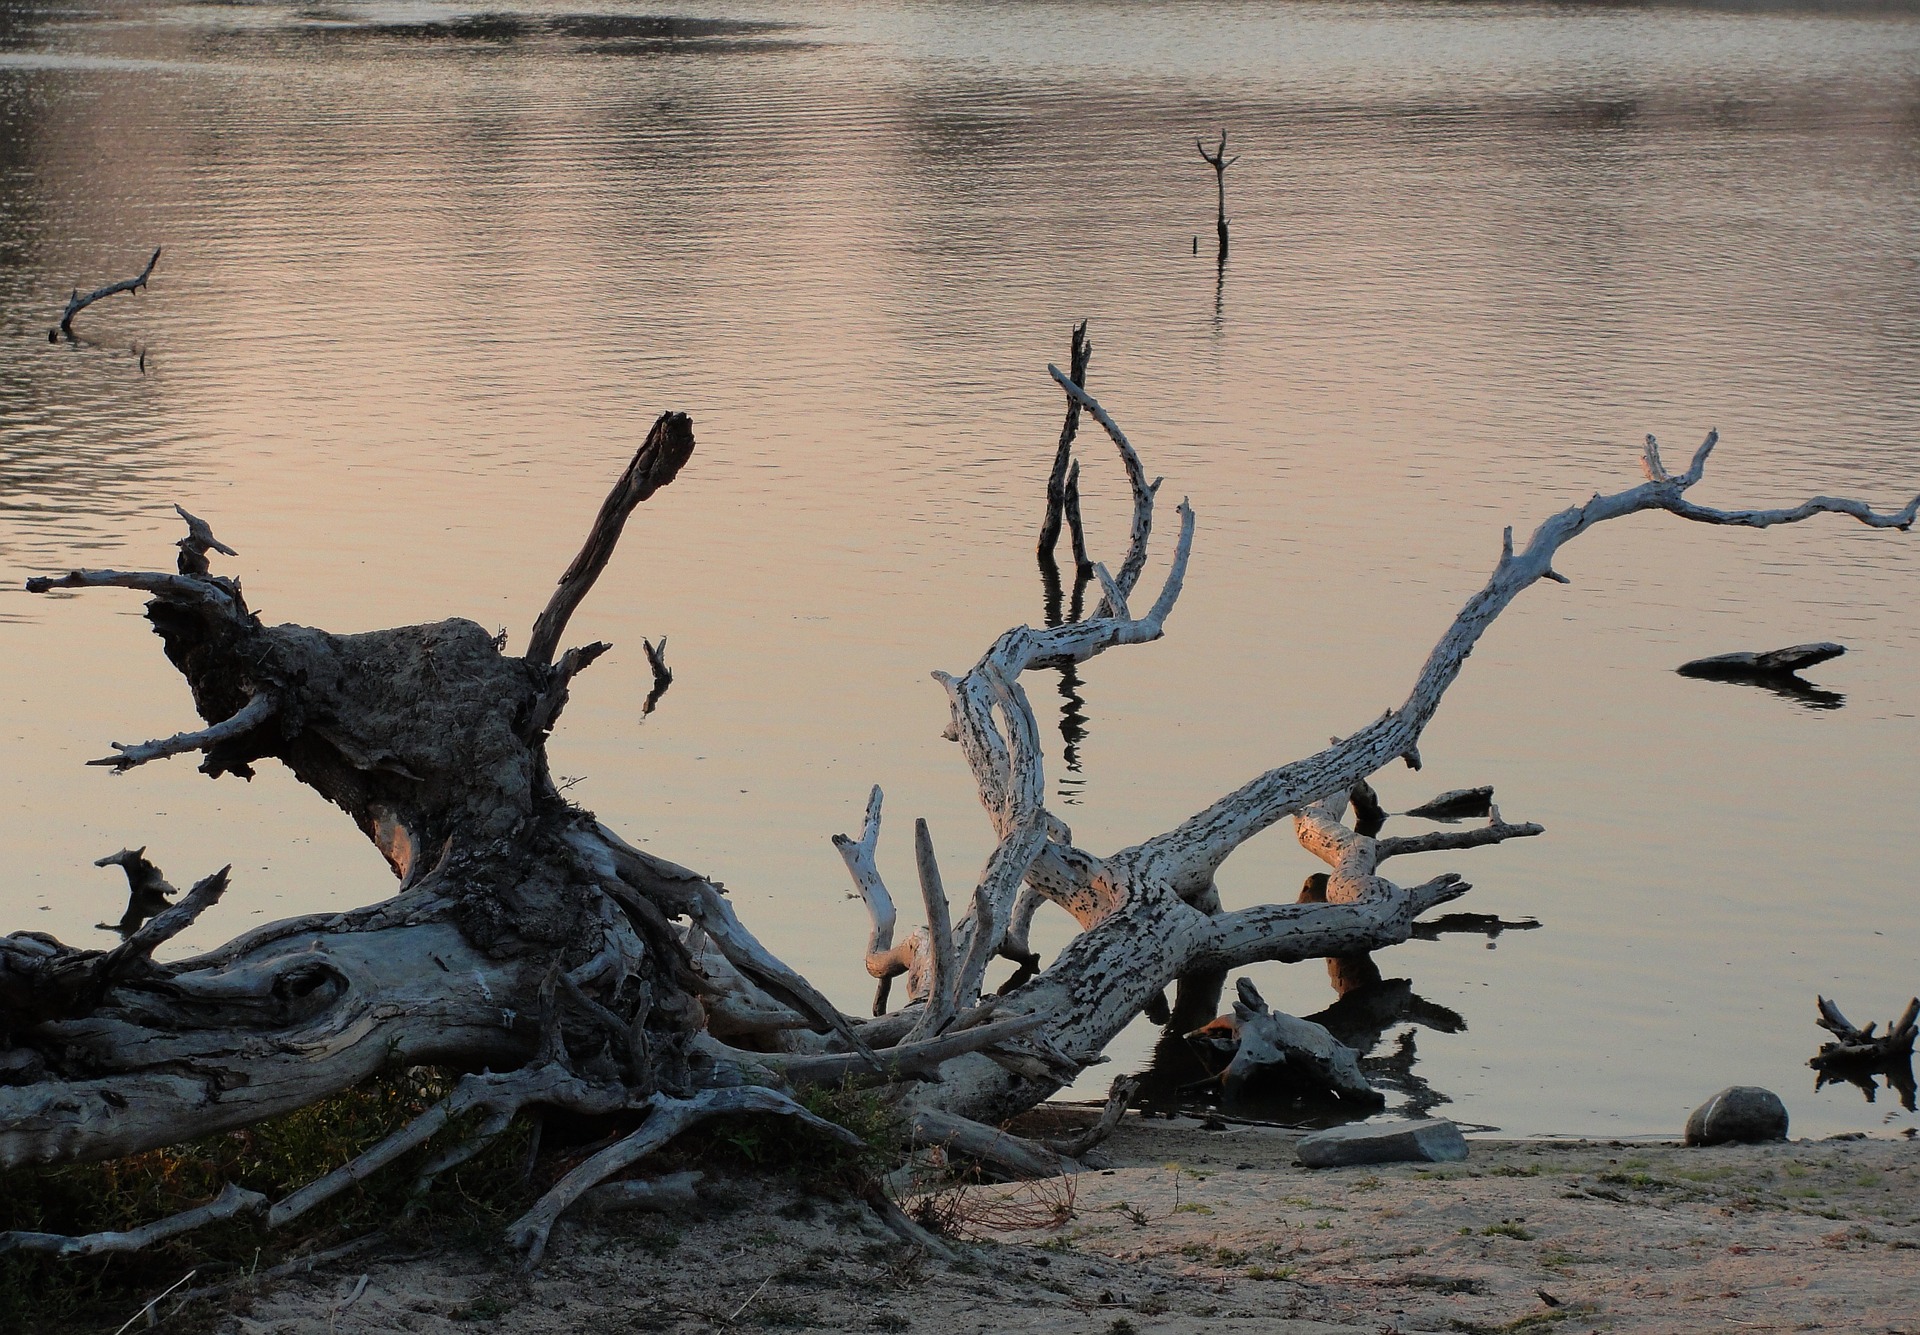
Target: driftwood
(1276, 1049)
(1858, 1055)
(662, 674)
(77, 303)
(1776, 670)
(1219, 161)
(528, 944)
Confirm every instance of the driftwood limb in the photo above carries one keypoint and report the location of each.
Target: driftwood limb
(232, 1202)
(1140, 531)
(1494, 831)
(1861, 1045)
(884, 960)
(939, 986)
(1077, 530)
(662, 674)
(1119, 1095)
(198, 542)
(657, 462)
(660, 1193)
(1219, 161)
(1859, 1055)
(1274, 1046)
(77, 303)
(251, 715)
(148, 891)
(1190, 854)
(1777, 670)
(1006, 1153)
(1456, 804)
(1774, 662)
(1081, 352)
(667, 1119)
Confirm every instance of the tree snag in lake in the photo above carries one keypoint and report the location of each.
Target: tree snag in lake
(77, 303)
(530, 946)
(1219, 161)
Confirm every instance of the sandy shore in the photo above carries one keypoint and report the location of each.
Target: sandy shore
(1194, 1230)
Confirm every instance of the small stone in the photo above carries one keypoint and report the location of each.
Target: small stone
(1740, 1113)
(1432, 1140)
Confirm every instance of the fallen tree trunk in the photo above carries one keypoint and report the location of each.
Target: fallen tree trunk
(529, 944)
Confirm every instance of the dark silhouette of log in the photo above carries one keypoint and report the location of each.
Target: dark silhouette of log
(77, 303)
(1219, 161)
(1858, 1055)
(1080, 353)
(1776, 670)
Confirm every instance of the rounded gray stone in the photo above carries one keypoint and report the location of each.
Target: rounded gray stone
(1433, 1140)
(1744, 1114)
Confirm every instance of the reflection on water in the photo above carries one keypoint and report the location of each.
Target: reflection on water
(429, 268)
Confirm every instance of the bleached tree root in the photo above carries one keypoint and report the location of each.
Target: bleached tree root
(526, 938)
(671, 1192)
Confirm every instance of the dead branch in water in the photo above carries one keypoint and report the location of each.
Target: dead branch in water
(77, 303)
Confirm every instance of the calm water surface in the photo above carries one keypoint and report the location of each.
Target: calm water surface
(430, 272)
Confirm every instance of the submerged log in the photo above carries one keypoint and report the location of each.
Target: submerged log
(1219, 161)
(527, 944)
(1858, 1055)
(77, 303)
(1773, 663)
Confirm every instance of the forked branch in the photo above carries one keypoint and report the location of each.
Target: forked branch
(1190, 854)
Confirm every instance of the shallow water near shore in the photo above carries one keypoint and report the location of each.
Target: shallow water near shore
(429, 272)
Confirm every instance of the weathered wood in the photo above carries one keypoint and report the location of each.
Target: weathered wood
(1862, 1047)
(657, 462)
(528, 939)
(1219, 161)
(1080, 354)
(662, 674)
(1274, 1048)
(1774, 662)
(77, 303)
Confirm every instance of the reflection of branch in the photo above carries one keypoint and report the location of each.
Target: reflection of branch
(1489, 925)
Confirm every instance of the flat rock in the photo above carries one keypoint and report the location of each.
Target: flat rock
(1739, 1113)
(1432, 1140)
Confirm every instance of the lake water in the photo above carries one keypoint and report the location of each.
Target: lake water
(429, 273)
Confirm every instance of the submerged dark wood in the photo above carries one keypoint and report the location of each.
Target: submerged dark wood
(77, 303)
